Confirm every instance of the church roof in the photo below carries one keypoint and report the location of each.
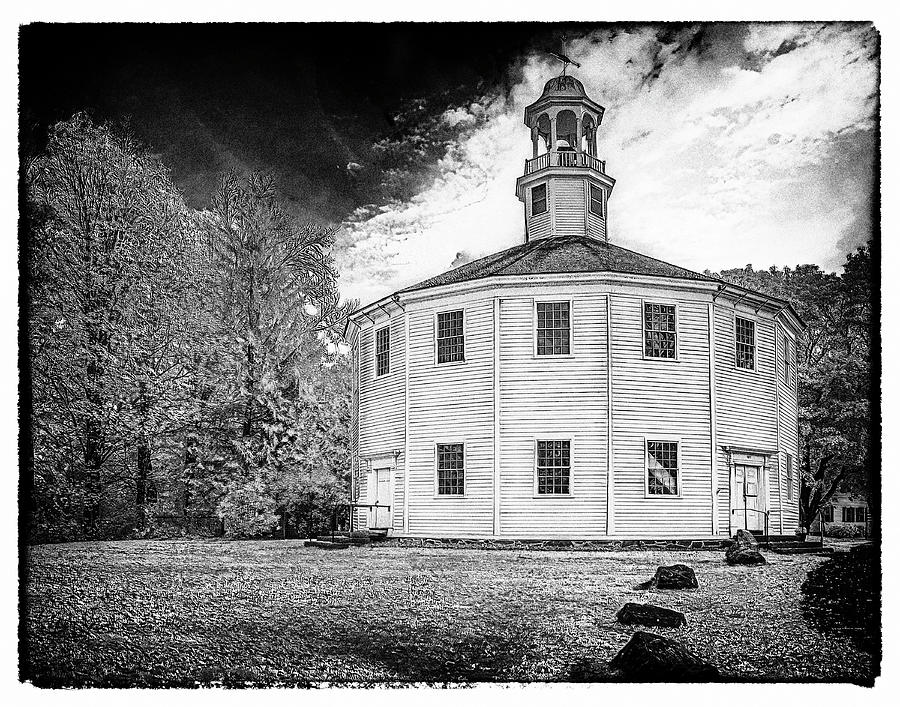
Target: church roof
(560, 254)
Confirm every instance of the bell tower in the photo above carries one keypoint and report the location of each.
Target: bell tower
(565, 188)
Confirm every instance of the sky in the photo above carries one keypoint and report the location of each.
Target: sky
(731, 144)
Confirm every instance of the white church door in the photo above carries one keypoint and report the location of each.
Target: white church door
(380, 515)
(747, 498)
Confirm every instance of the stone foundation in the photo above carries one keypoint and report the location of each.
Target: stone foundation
(573, 545)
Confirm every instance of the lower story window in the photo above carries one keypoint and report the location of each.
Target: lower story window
(554, 466)
(790, 477)
(828, 514)
(662, 468)
(451, 469)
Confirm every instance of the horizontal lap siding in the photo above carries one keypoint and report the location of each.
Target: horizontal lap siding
(661, 400)
(788, 435)
(382, 413)
(745, 400)
(596, 226)
(539, 226)
(569, 206)
(553, 398)
(451, 403)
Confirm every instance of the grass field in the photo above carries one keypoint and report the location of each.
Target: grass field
(179, 613)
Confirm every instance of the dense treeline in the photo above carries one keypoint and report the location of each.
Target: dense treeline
(836, 387)
(185, 373)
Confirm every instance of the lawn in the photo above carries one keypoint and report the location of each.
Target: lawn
(179, 613)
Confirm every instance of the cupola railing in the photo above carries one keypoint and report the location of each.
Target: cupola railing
(564, 159)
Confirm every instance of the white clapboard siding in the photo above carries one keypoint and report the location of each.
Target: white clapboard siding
(596, 226)
(788, 434)
(568, 203)
(745, 400)
(661, 400)
(451, 403)
(382, 412)
(559, 397)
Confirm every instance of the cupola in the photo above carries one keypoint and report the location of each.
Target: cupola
(565, 188)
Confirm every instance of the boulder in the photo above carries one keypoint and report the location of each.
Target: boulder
(671, 577)
(744, 550)
(650, 615)
(648, 657)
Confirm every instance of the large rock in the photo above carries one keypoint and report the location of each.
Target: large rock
(648, 657)
(650, 615)
(744, 550)
(672, 577)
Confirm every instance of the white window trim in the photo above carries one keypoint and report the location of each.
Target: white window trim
(755, 321)
(531, 199)
(534, 327)
(375, 330)
(550, 437)
(435, 337)
(601, 215)
(465, 493)
(644, 355)
(790, 473)
(646, 467)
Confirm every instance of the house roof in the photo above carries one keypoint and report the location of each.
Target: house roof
(560, 254)
(572, 254)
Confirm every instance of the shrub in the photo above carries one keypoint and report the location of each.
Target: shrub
(844, 531)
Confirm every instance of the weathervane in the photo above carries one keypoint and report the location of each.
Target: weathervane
(562, 56)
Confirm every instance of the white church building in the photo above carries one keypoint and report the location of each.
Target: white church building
(569, 388)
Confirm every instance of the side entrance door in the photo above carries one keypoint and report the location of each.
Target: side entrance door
(380, 517)
(747, 498)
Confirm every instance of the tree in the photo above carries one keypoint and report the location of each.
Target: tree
(109, 240)
(277, 302)
(834, 372)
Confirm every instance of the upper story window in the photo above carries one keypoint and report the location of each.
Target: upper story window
(383, 351)
(451, 473)
(789, 371)
(745, 343)
(538, 199)
(596, 200)
(790, 477)
(662, 468)
(553, 328)
(660, 337)
(451, 341)
(554, 467)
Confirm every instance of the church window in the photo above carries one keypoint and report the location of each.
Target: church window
(596, 200)
(538, 199)
(451, 473)
(553, 328)
(660, 337)
(451, 343)
(554, 467)
(745, 343)
(790, 477)
(383, 351)
(662, 468)
(788, 363)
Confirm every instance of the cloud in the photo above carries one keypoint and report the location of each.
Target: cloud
(746, 143)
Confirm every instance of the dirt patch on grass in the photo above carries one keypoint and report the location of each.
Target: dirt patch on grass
(182, 613)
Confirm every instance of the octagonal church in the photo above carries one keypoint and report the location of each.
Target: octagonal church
(569, 388)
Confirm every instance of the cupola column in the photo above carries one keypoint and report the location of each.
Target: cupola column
(553, 133)
(578, 133)
(534, 140)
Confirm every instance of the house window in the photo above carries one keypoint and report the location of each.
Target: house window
(861, 515)
(538, 199)
(383, 351)
(745, 343)
(451, 344)
(828, 514)
(553, 328)
(662, 468)
(790, 477)
(596, 200)
(659, 330)
(788, 363)
(553, 467)
(450, 470)
(848, 514)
